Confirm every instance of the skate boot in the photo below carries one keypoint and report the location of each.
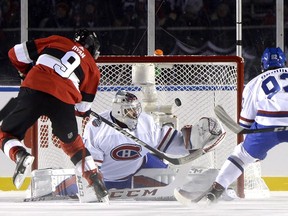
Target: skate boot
(95, 179)
(215, 192)
(23, 162)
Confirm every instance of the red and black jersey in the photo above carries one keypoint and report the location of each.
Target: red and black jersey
(61, 67)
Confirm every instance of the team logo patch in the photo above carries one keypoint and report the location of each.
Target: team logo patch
(126, 152)
(96, 122)
(70, 135)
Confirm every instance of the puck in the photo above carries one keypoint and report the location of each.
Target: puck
(178, 102)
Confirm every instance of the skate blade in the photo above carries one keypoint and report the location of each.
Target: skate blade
(19, 179)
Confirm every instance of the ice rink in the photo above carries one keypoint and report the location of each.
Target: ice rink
(11, 204)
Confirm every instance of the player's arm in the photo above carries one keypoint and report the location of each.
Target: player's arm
(20, 57)
(205, 133)
(248, 112)
(24, 55)
(171, 141)
(91, 140)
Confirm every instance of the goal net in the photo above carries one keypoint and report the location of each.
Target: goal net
(198, 83)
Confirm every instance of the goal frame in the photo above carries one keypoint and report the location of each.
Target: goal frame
(31, 138)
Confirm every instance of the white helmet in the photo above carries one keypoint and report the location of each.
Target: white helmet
(126, 108)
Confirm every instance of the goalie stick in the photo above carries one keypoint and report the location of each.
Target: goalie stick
(236, 128)
(48, 198)
(176, 161)
(184, 197)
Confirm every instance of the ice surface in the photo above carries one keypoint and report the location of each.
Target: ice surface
(11, 204)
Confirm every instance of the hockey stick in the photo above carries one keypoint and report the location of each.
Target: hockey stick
(49, 197)
(236, 128)
(7, 108)
(183, 196)
(176, 161)
(201, 186)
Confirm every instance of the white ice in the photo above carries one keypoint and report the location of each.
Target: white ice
(11, 204)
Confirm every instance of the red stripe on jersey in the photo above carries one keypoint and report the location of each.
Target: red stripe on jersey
(164, 139)
(275, 113)
(247, 120)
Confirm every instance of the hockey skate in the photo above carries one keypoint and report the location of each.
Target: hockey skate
(95, 179)
(24, 161)
(215, 192)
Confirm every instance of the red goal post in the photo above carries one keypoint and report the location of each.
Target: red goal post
(200, 82)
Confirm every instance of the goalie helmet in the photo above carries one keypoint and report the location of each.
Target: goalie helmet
(126, 108)
(89, 40)
(272, 58)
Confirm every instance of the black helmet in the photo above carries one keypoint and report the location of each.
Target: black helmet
(89, 40)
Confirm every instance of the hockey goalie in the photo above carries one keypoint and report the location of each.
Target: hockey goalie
(130, 170)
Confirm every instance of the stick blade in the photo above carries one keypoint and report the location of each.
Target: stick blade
(227, 120)
(187, 198)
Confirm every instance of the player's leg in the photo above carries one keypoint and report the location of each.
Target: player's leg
(15, 150)
(232, 168)
(64, 126)
(13, 128)
(255, 147)
(150, 161)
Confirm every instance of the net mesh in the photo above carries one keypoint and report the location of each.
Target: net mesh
(199, 85)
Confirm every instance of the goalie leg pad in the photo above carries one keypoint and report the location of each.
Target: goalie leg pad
(68, 187)
(205, 133)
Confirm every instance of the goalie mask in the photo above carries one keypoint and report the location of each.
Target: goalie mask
(126, 108)
(89, 40)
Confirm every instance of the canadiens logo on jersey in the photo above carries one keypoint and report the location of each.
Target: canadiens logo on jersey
(126, 152)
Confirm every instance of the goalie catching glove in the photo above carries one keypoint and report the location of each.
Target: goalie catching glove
(206, 134)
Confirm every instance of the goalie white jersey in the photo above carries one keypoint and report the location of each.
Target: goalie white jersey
(265, 99)
(119, 156)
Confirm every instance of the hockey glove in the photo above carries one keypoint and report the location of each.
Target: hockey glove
(82, 114)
